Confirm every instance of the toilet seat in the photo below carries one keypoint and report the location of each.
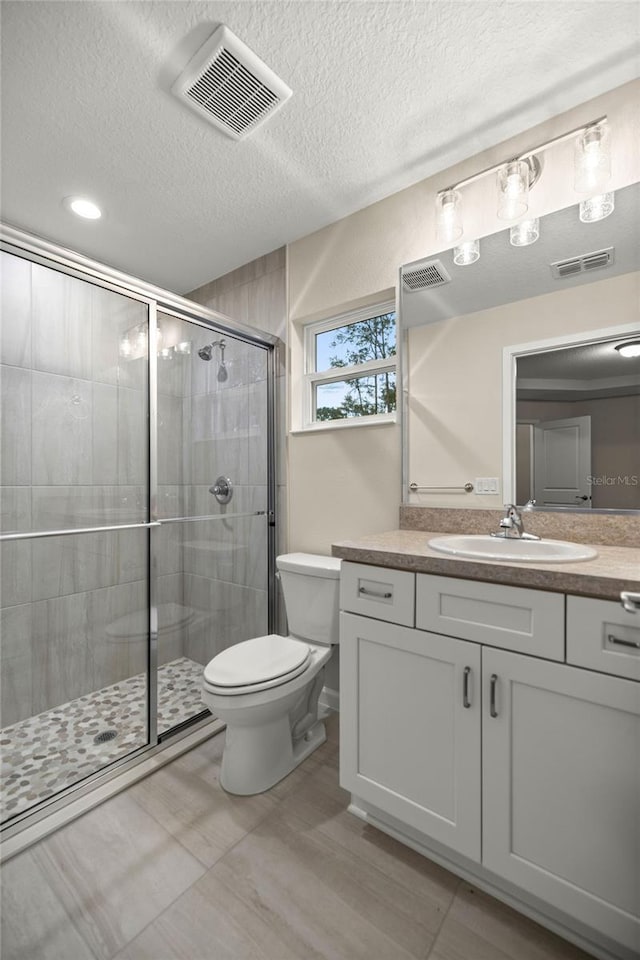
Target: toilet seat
(256, 664)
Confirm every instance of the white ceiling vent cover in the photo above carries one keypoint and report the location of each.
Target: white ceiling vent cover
(230, 86)
(583, 264)
(431, 273)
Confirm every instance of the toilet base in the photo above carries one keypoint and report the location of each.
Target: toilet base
(254, 760)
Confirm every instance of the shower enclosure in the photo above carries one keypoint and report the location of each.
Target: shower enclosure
(137, 506)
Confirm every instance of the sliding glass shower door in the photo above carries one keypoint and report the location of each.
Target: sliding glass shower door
(213, 504)
(74, 554)
(137, 523)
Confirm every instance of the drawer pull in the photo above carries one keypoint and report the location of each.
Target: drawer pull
(623, 643)
(374, 593)
(466, 702)
(492, 698)
(630, 601)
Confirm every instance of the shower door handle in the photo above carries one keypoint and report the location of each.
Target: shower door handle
(74, 531)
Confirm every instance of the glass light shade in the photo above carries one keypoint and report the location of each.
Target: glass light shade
(448, 219)
(513, 190)
(183, 347)
(592, 159)
(468, 252)
(523, 233)
(597, 208)
(166, 353)
(629, 349)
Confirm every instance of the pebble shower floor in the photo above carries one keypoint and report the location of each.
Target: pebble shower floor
(45, 753)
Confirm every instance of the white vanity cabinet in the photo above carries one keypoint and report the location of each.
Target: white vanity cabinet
(524, 765)
(561, 789)
(410, 739)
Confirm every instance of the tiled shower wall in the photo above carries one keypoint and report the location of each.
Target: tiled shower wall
(256, 295)
(74, 454)
(209, 428)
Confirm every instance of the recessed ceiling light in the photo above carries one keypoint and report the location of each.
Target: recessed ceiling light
(83, 207)
(629, 349)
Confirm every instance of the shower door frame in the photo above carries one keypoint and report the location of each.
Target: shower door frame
(36, 250)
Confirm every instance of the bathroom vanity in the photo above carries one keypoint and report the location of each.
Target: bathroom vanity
(490, 718)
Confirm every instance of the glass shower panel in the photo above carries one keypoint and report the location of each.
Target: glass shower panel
(74, 605)
(212, 557)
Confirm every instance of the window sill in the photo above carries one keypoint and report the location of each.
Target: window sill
(383, 419)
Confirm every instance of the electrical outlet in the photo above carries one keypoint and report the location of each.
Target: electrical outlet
(487, 485)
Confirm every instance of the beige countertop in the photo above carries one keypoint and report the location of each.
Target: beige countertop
(613, 570)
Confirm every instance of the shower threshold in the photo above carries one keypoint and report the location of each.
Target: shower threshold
(55, 749)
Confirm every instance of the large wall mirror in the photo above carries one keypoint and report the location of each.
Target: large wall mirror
(512, 372)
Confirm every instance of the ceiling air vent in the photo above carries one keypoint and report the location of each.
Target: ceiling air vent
(588, 261)
(428, 274)
(230, 86)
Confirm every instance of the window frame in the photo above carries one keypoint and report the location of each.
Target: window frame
(313, 378)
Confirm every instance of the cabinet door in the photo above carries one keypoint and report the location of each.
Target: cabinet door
(561, 789)
(409, 745)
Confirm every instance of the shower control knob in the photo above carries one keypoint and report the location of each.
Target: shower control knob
(222, 489)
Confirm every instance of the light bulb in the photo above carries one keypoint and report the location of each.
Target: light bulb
(629, 349)
(125, 348)
(597, 208)
(83, 208)
(448, 220)
(513, 190)
(523, 233)
(592, 159)
(468, 252)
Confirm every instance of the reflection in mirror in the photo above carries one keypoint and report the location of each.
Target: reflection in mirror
(578, 427)
(459, 324)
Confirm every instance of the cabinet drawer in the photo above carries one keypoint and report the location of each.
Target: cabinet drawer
(527, 621)
(378, 592)
(602, 636)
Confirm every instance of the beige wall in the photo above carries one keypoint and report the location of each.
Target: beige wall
(354, 262)
(455, 421)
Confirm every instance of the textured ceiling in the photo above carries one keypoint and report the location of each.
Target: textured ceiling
(385, 94)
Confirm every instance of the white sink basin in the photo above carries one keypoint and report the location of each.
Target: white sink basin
(484, 547)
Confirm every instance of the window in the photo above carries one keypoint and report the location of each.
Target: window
(350, 364)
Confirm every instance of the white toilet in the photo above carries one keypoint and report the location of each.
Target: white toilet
(266, 690)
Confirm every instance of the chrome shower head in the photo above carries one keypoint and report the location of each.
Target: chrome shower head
(205, 352)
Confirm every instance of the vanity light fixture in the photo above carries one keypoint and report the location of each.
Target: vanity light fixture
(597, 208)
(516, 177)
(468, 252)
(448, 220)
(83, 207)
(592, 159)
(513, 190)
(631, 348)
(523, 233)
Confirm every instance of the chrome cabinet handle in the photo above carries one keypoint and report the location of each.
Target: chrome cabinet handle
(492, 700)
(623, 643)
(466, 702)
(373, 593)
(630, 601)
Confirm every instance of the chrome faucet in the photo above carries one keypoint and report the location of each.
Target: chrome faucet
(512, 524)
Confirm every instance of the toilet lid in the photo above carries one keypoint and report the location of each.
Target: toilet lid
(257, 661)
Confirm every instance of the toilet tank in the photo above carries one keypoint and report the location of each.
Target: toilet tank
(311, 588)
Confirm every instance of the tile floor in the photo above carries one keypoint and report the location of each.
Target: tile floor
(45, 753)
(175, 869)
